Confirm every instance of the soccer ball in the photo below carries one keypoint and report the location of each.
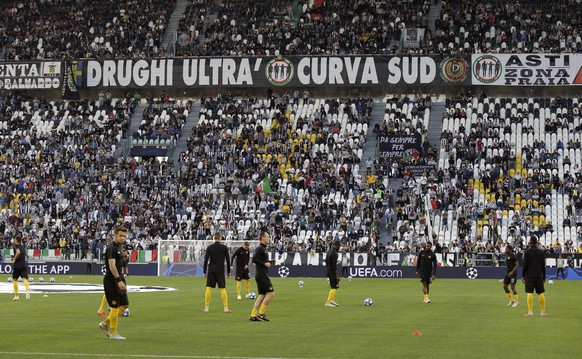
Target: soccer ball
(350, 278)
(20, 279)
(368, 302)
(550, 282)
(9, 279)
(125, 313)
(301, 283)
(31, 279)
(252, 295)
(52, 279)
(283, 271)
(327, 280)
(41, 279)
(472, 273)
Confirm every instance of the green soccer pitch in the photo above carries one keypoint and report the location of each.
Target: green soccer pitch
(466, 319)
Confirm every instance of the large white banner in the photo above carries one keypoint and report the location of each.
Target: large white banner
(527, 69)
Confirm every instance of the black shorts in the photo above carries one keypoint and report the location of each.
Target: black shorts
(115, 297)
(213, 279)
(333, 280)
(425, 278)
(509, 280)
(20, 271)
(242, 274)
(264, 285)
(534, 283)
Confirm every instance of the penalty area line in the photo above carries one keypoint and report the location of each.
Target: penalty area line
(101, 355)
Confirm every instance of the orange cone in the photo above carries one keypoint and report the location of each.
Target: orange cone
(416, 334)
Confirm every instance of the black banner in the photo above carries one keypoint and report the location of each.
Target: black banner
(69, 88)
(400, 147)
(292, 71)
(420, 170)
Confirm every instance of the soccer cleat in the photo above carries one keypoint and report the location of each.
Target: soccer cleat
(528, 315)
(101, 313)
(205, 310)
(426, 301)
(515, 304)
(334, 303)
(544, 314)
(238, 297)
(226, 310)
(27, 295)
(16, 298)
(329, 305)
(263, 317)
(248, 295)
(254, 319)
(104, 328)
(510, 303)
(116, 336)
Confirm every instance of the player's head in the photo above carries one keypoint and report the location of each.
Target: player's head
(17, 240)
(120, 234)
(246, 245)
(508, 249)
(533, 241)
(217, 237)
(264, 237)
(428, 245)
(337, 244)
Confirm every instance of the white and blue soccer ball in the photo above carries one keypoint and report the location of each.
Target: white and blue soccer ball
(550, 282)
(9, 279)
(41, 279)
(368, 302)
(126, 313)
(52, 279)
(252, 295)
(20, 279)
(31, 279)
(350, 278)
(301, 283)
(283, 271)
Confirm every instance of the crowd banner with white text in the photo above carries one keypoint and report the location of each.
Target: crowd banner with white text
(291, 71)
(33, 75)
(400, 147)
(527, 69)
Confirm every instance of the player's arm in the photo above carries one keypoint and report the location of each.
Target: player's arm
(259, 260)
(116, 274)
(434, 266)
(514, 270)
(227, 257)
(543, 262)
(525, 267)
(418, 262)
(16, 255)
(206, 257)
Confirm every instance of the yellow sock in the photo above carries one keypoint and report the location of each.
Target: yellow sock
(108, 319)
(333, 292)
(103, 303)
(263, 309)
(207, 296)
(238, 288)
(15, 286)
(248, 286)
(26, 285)
(224, 297)
(425, 296)
(530, 302)
(254, 313)
(509, 295)
(113, 320)
(329, 296)
(515, 297)
(543, 302)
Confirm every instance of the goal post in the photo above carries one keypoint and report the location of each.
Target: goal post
(186, 257)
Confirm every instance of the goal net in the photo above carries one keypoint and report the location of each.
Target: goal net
(186, 257)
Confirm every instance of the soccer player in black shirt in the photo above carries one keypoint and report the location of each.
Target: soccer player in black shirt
(242, 256)
(114, 283)
(511, 276)
(426, 265)
(214, 259)
(332, 273)
(264, 286)
(534, 275)
(19, 268)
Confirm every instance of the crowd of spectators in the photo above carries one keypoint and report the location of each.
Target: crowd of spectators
(58, 29)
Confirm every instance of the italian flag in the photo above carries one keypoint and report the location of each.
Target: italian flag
(147, 256)
(264, 186)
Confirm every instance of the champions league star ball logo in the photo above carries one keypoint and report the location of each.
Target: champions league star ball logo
(472, 273)
(283, 271)
(279, 71)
